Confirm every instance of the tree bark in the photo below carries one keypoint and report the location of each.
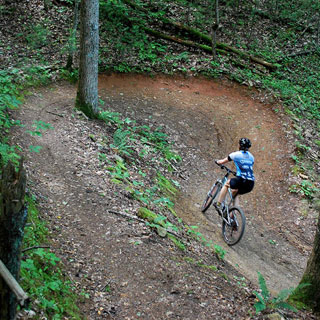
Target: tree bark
(310, 295)
(73, 36)
(13, 217)
(215, 27)
(87, 95)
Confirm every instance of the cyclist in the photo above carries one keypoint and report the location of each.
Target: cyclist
(244, 180)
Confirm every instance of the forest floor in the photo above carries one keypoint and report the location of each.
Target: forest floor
(126, 268)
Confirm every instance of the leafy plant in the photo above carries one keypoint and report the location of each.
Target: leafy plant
(220, 252)
(266, 301)
(306, 188)
(38, 36)
(41, 275)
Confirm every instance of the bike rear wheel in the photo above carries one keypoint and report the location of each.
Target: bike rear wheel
(210, 197)
(233, 232)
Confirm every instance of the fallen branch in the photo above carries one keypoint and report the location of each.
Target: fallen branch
(56, 114)
(35, 247)
(204, 37)
(176, 170)
(128, 216)
(12, 283)
(300, 53)
(187, 43)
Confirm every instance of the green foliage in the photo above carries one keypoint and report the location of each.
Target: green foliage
(8, 153)
(265, 301)
(41, 275)
(9, 100)
(38, 36)
(119, 172)
(121, 140)
(71, 75)
(44, 282)
(220, 252)
(12, 81)
(39, 126)
(305, 188)
(177, 242)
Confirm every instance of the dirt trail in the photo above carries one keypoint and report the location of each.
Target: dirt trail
(210, 118)
(205, 119)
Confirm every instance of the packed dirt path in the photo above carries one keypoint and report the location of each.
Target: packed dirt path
(205, 119)
(211, 117)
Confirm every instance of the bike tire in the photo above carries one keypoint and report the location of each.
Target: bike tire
(232, 235)
(210, 197)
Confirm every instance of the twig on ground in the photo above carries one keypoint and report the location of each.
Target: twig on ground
(35, 247)
(129, 216)
(176, 170)
(56, 114)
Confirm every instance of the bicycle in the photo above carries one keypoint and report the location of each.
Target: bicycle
(233, 218)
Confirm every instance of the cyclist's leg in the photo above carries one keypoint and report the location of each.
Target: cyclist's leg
(235, 196)
(223, 192)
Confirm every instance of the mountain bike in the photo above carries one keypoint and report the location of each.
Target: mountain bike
(233, 218)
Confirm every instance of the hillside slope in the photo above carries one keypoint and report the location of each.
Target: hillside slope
(148, 277)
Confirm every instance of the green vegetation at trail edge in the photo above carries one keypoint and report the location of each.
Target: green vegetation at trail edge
(41, 274)
(127, 48)
(278, 35)
(295, 81)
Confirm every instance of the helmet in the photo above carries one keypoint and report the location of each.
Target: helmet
(244, 144)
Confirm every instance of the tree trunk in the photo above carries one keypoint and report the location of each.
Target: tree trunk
(215, 27)
(13, 217)
(73, 36)
(87, 95)
(310, 295)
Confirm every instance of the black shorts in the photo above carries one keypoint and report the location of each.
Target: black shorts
(242, 185)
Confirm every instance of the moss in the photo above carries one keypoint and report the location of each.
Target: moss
(149, 215)
(177, 242)
(165, 185)
(303, 295)
(86, 109)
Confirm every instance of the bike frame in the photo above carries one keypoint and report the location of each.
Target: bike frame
(226, 202)
(237, 222)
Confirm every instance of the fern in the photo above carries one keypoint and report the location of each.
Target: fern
(7, 153)
(263, 286)
(279, 302)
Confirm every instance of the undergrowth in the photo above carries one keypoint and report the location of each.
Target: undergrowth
(290, 43)
(13, 88)
(52, 293)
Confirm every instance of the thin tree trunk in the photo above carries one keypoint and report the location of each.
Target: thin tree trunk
(73, 36)
(310, 295)
(13, 217)
(87, 95)
(215, 27)
(318, 32)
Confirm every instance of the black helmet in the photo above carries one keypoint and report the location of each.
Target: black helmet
(244, 144)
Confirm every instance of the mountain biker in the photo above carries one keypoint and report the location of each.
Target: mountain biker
(244, 180)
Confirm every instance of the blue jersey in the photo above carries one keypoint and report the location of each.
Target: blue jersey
(244, 161)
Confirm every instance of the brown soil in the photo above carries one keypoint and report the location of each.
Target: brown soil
(148, 277)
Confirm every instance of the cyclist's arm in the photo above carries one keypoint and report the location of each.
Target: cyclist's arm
(223, 161)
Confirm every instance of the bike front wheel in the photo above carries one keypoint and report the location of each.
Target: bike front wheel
(210, 197)
(233, 231)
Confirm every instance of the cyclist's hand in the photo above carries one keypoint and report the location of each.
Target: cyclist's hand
(217, 162)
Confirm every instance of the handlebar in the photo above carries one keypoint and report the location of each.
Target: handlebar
(224, 167)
